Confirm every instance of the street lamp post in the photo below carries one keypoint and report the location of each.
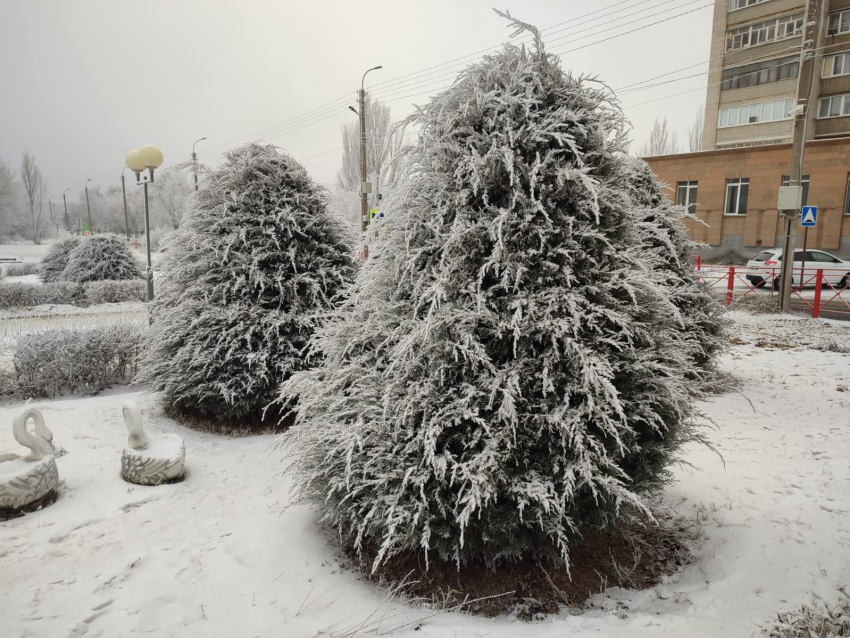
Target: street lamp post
(126, 216)
(150, 158)
(65, 202)
(195, 161)
(88, 208)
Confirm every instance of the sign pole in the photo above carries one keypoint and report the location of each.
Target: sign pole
(803, 269)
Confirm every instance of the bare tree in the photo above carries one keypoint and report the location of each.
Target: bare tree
(695, 132)
(384, 140)
(170, 194)
(662, 141)
(35, 189)
(9, 191)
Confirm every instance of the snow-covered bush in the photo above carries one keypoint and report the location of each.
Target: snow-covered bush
(668, 250)
(101, 257)
(17, 295)
(54, 262)
(159, 236)
(507, 372)
(73, 360)
(116, 291)
(20, 270)
(252, 271)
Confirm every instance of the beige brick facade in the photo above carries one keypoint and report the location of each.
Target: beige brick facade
(826, 161)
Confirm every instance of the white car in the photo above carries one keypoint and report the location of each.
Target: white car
(766, 265)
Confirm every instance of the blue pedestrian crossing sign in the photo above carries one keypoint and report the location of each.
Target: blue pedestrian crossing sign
(809, 217)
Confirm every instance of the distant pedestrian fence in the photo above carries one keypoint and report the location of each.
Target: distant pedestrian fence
(817, 291)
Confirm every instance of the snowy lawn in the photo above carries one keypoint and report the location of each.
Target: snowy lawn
(220, 554)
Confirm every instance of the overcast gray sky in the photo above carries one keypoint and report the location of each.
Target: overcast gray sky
(83, 81)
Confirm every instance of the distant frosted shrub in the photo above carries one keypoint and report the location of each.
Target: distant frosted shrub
(23, 295)
(116, 291)
(74, 360)
(20, 270)
(101, 257)
(56, 259)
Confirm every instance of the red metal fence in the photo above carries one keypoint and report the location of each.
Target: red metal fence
(816, 290)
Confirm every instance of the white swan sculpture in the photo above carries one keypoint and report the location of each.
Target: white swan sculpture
(147, 461)
(24, 480)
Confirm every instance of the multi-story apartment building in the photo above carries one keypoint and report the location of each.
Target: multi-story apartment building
(732, 184)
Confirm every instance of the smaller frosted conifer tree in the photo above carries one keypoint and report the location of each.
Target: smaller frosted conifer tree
(254, 268)
(56, 259)
(669, 250)
(101, 257)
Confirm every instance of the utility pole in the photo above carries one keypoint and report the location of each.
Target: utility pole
(65, 202)
(50, 206)
(88, 208)
(365, 186)
(811, 33)
(195, 162)
(126, 216)
(364, 207)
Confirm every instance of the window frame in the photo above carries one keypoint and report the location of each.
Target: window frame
(747, 3)
(763, 32)
(690, 187)
(771, 69)
(843, 110)
(727, 111)
(841, 22)
(847, 197)
(737, 183)
(831, 58)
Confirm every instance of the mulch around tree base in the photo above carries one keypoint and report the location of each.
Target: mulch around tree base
(636, 557)
(8, 513)
(232, 426)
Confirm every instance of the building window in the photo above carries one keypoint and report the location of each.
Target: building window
(762, 32)
(740, 4)
(737, 192)
(847, 197)
(834, 106)
(836, 65)
(839, 23)
(786, 182)
(761, 73)
(687, 196)
(755, 113)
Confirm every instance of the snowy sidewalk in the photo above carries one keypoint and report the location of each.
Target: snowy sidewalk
(218, 555)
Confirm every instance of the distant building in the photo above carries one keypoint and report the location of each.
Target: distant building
(732, 184)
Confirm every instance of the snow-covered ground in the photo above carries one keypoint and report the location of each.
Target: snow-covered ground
(221, 554)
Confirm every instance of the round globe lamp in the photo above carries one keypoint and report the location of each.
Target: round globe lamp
(134, 162)
(150, 156)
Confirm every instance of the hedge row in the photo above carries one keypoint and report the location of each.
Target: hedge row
(65, 292)
(19, 270)
(68, 361)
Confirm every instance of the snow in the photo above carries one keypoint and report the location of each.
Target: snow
(221, 554)
(22, 279)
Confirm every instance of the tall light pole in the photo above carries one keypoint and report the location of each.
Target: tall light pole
(88, 208)
(365, 186)
(50, 206)
(126, 216)
(195, 161)
(150, 158)
(65, 202)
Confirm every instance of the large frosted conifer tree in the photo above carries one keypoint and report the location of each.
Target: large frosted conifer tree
(507, 372)
(254, 268)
